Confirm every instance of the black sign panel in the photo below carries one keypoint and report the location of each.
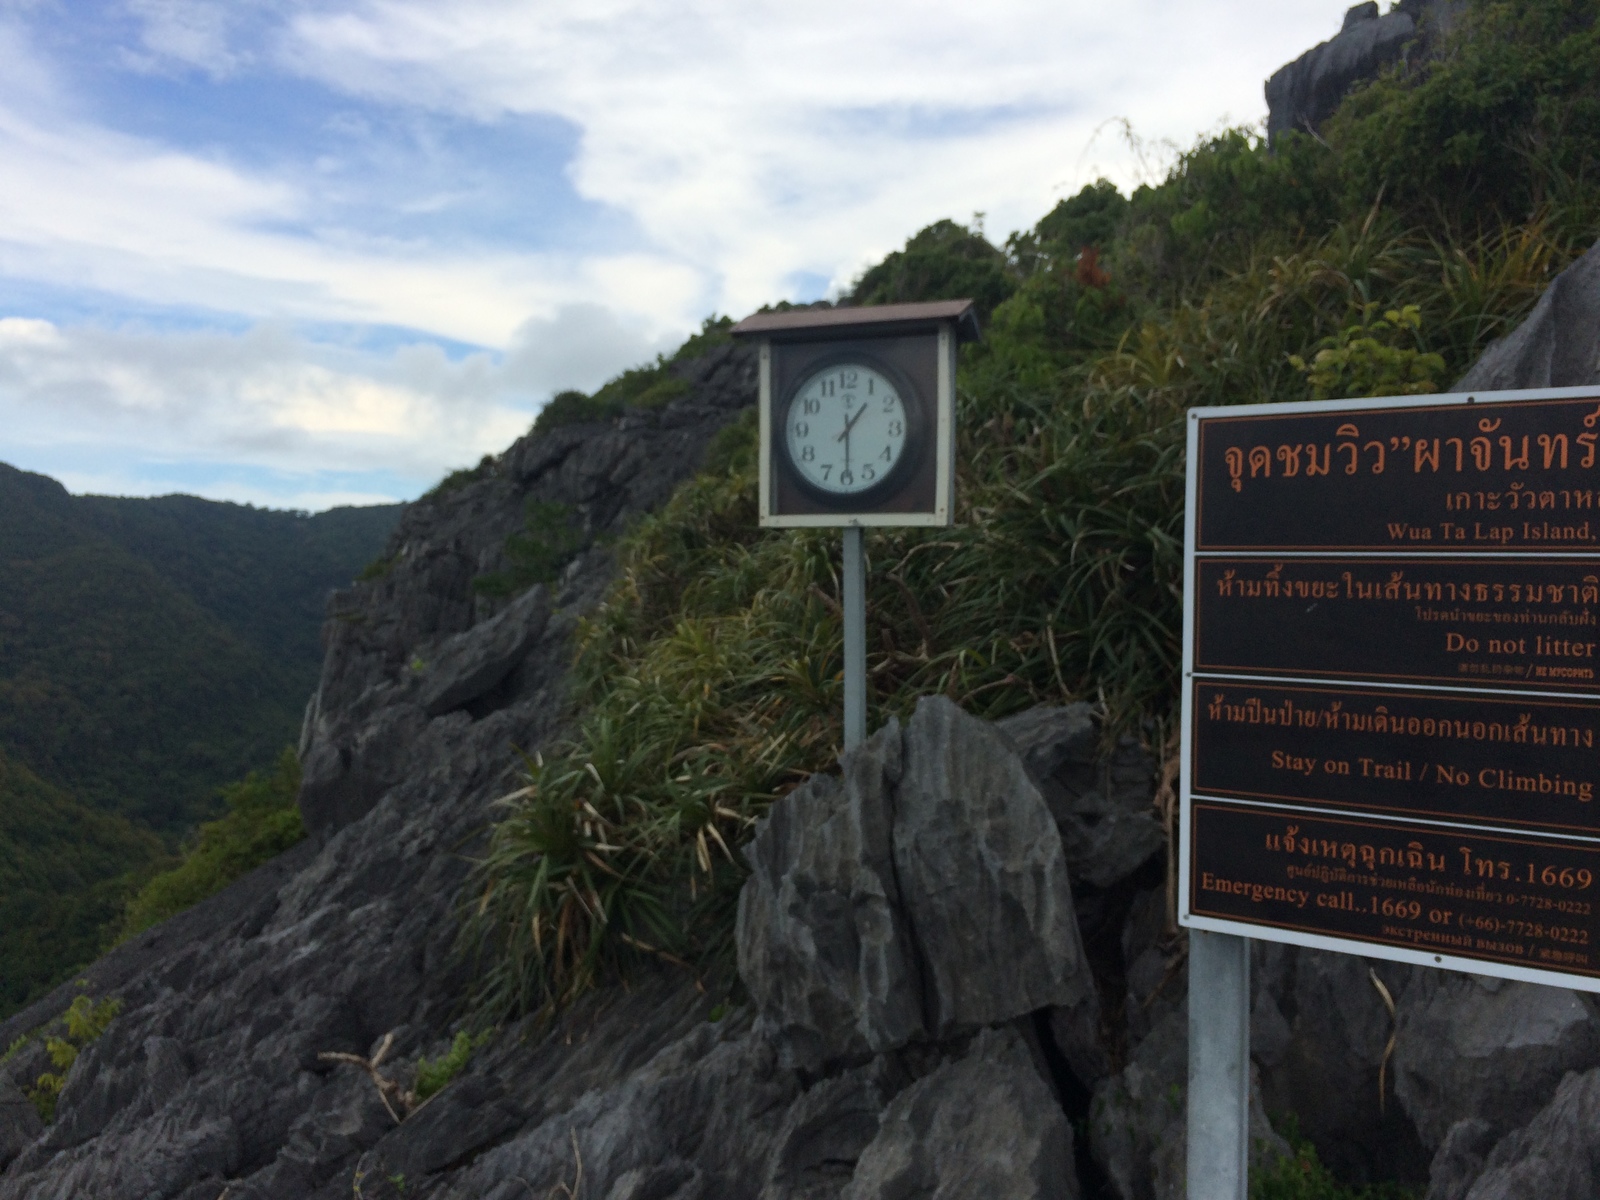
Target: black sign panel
(1516, 761)
(1494, 623)
(1436, 478)
(1524, 901)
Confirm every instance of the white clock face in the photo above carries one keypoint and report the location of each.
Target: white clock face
(845, 429)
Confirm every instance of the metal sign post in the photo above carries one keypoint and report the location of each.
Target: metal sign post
(1391, 704)
(855, 638)
(1219, 1066)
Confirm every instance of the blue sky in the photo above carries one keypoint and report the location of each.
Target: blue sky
(303, 254)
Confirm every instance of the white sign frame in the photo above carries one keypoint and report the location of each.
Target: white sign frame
(1186, 797)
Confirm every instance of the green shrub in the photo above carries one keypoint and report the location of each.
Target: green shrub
(1372, 358)
(433, 1075)
(945, 261)
(377, 568)
(263, 820)
(1301, 1176)
(83, 1022)
(1501, 126)
(457, 480)
(534, 554)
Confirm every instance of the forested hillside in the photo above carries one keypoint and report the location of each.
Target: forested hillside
(150, 652)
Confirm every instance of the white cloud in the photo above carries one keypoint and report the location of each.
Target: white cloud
(736, 146)
(765, 138)
(268, 399)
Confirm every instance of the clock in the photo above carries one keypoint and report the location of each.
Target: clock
(856, 412)
(853, 430)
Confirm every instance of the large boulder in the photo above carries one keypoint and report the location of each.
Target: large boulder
(1102, 804)
(1304, 94)
(983, 876)
(466, 665)
(1487, 1048)
(822, 940)
(1556, 1157)
(923, 894)
(1559, 343)
(982, 1125)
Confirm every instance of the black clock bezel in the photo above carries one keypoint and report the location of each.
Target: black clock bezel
(905, 466)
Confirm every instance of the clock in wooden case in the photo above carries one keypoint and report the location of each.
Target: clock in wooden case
(858, 413)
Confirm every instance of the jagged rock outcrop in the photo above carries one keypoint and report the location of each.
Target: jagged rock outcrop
(1557, 1157)
(981, 1125)
(1101, 804)
(1304, 94)
(1557, 346)
(921, 897)
(1491, 1049)
(418, 644)
(19, 1123)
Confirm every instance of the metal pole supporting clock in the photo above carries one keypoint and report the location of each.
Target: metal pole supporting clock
(857, 409)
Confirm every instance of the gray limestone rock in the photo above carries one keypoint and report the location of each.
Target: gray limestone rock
(466, 665)
(1319, 1031)
(1557, 1156)
(1137, 1117)
(921, 894)
(373, 700)
(825, 1131)
(822, 941)
(982, 877)
(1460, 1159)
(1474, 1046)
(1102, 805)
(1155, 968)
(1558, 345)
(19, 1121)
(982, 1125)
(1304, 94)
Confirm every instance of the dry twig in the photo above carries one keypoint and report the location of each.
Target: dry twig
(1383, 1063)
(390, 1092)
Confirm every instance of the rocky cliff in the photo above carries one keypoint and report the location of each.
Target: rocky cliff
(1303, 94)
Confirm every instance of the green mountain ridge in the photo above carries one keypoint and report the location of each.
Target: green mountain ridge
(151, 651)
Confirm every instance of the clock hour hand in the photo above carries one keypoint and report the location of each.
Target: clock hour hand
(850, 423)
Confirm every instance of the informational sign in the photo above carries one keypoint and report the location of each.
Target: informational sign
(1391, 688)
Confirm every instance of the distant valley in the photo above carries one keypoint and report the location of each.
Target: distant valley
(151, 650)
